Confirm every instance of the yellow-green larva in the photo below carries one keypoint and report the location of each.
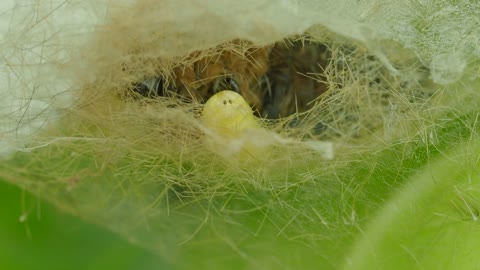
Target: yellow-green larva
(228, 114)
(231, 126)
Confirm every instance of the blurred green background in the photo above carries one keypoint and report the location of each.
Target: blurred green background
(50, 239)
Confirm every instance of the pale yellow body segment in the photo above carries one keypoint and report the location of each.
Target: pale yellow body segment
(231, 121)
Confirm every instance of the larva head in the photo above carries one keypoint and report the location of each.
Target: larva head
(228, 113)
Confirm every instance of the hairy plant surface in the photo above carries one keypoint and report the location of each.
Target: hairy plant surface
(394, 94)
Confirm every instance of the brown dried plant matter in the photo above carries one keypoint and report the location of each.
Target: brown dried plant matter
(235, 70)
(276, 81)
(296, 77)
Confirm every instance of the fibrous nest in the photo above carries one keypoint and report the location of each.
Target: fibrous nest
(326, 86)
